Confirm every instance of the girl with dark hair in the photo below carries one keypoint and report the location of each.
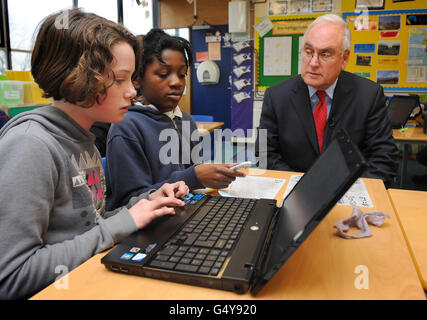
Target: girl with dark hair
(158, 142)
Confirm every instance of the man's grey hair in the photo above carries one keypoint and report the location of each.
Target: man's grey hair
(335, 19)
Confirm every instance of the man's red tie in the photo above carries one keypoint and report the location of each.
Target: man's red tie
(320, 115)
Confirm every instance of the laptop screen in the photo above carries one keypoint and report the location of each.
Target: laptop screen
(311, 199)
(400, 109)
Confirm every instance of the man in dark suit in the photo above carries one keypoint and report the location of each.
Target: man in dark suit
(302, 114)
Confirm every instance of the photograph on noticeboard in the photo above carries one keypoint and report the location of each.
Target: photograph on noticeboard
(389, 22)
(277, 7)
(388, 76)
(321, 5)
(363, 60)
(299, 6)
(388, 48)
(364, 24)
(369, 4)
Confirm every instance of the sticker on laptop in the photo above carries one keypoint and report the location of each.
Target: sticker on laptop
(150, 247)
(126, 256)
(139, 257)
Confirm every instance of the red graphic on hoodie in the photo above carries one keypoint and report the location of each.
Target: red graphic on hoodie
(94, 183)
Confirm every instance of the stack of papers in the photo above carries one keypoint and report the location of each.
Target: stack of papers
(253, 187)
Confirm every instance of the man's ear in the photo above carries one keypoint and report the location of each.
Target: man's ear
(346, 56)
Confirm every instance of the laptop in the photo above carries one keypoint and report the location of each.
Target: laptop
(400, 109)
(238, 244)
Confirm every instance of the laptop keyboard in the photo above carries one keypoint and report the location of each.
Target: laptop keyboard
(205, 242)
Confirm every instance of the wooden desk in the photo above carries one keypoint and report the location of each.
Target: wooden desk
(205, 127)
(323, 267)
(407, 137)
(411, 209)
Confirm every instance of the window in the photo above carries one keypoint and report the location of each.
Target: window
(103, 8)
(182, 32)
(138, 19)
(21, 61)
(24, 17)
(3, 62)
(2, 43)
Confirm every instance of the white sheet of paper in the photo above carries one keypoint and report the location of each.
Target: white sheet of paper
(253, 187)
(277, 56)
(263, 26)
(356, 196)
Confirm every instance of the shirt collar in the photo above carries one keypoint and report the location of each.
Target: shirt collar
(176, 112)
(329, 91)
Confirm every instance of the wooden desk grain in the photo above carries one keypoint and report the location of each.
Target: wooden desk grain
(324, 267)
(411, 209)
(410, 135)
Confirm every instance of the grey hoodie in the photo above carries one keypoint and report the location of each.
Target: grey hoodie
(52, 201)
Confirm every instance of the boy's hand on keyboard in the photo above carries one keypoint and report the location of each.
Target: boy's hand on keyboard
(217, 176)
(145, 211)
(175, 190)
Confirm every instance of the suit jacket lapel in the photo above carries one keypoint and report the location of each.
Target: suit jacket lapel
(302, 106)
(342, 99)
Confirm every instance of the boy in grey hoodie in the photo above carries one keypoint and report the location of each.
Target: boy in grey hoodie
(52, 204)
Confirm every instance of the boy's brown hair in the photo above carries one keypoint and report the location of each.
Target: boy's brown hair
(72, 52)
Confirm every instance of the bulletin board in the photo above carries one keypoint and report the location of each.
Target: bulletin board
(277, 51)
(400, 65)
(212, 100)
(390, 47)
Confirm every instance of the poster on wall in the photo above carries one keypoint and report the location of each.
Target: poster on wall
(369, 4)
(322, 5)
(389, 22)
(277, 56)
(364, 48)
(241, 88)
(277, 7)
(417, 56)
(263, 26)
(416, 20)
(363, 60)
(388, 48)
(365, 24)
(299, 6)
(388, 76)
(395, 54)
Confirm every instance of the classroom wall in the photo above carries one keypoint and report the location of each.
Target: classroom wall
(179, 13)
(349, 5)
(212, 99)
